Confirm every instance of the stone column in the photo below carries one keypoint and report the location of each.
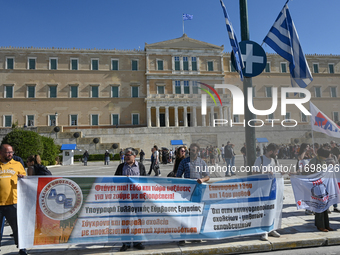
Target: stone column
(176, 116)
(167, 116)
(185, 116)
(221, 112)
(157, 117)
(194, 118)
(211, 115)
(148, 116)
(229, 116)
(203, 121)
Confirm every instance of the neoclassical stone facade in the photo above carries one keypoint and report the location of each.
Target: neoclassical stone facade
(158, 87)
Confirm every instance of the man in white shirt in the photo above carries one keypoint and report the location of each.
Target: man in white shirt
(266, 164)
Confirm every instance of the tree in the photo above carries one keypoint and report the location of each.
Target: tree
(51, 150)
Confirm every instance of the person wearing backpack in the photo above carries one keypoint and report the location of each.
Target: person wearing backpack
(131, 168)
(35, 167)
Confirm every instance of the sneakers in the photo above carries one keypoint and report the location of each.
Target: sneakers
(124, 247)
(274, 234)
(22, 252)
(264, 237)
(139, 246)
(181, 243)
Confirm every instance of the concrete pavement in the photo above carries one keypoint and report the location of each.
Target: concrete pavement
(297, 231)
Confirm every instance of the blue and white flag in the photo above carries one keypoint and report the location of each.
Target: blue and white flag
(283, 38)
(234, 43)
(187, 16)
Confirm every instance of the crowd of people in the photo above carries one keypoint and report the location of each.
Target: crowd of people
(185, 161)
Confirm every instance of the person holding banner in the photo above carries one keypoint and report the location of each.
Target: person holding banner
(194, 167)
(10, 171)
(321, 219)
(131, 168)
(266, 164)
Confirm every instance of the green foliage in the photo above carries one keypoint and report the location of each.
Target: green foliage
(45, 162)
(24, 143)
(51, 151)
(116, 156)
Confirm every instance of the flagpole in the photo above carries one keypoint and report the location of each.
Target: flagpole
(183, 24)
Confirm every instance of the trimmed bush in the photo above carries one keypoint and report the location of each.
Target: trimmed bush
(51, 151)
(25, 143)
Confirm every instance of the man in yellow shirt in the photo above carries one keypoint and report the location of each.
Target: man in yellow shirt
(10, 171)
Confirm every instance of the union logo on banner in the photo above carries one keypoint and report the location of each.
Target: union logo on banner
(321, 123)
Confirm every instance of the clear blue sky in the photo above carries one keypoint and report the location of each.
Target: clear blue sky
(128, 24)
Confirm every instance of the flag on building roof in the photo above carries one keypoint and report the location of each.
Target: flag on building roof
(239, 65)
(187, 16)
(283, 38)
(321, 123)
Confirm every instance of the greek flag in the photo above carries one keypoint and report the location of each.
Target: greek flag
(187, 16)
(283, 38)
(234, 43)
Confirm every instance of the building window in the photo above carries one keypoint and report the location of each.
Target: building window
(134, 65)
(160, 90)
(53, 63)
(94, 91)
(303, 117)
(186, 87)
(178, 87)
(185, 64)
(210, 66)
(268, 91)
(333, 92)
(315, 68)
(94, 64)
(74, 64)
(317, 91)
(94, 119)
(267, 69)
(115, 91)
(236, 118)
(287, 95)
(52, 93)
(52, 120)
(30, 120)
(115, 119)
(135, 118)
(30, 91)
(331, 68)
(9, 63)
(74, 91)
(194, 87)
(7, 120)
(194, 64)
(335, 116)
(177, 64)
(74, 120)
(31, 63)
(160, 65)
(134, 91)
(270, 117)
(114, 65)
(287, 117)
(302, 95)
(232, 68)
(8, 93)
(284, 67)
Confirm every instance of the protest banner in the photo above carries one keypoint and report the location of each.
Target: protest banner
(83, 210)
(317, 192)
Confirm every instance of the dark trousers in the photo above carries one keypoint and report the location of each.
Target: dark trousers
(10, 213)
(321, 220)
